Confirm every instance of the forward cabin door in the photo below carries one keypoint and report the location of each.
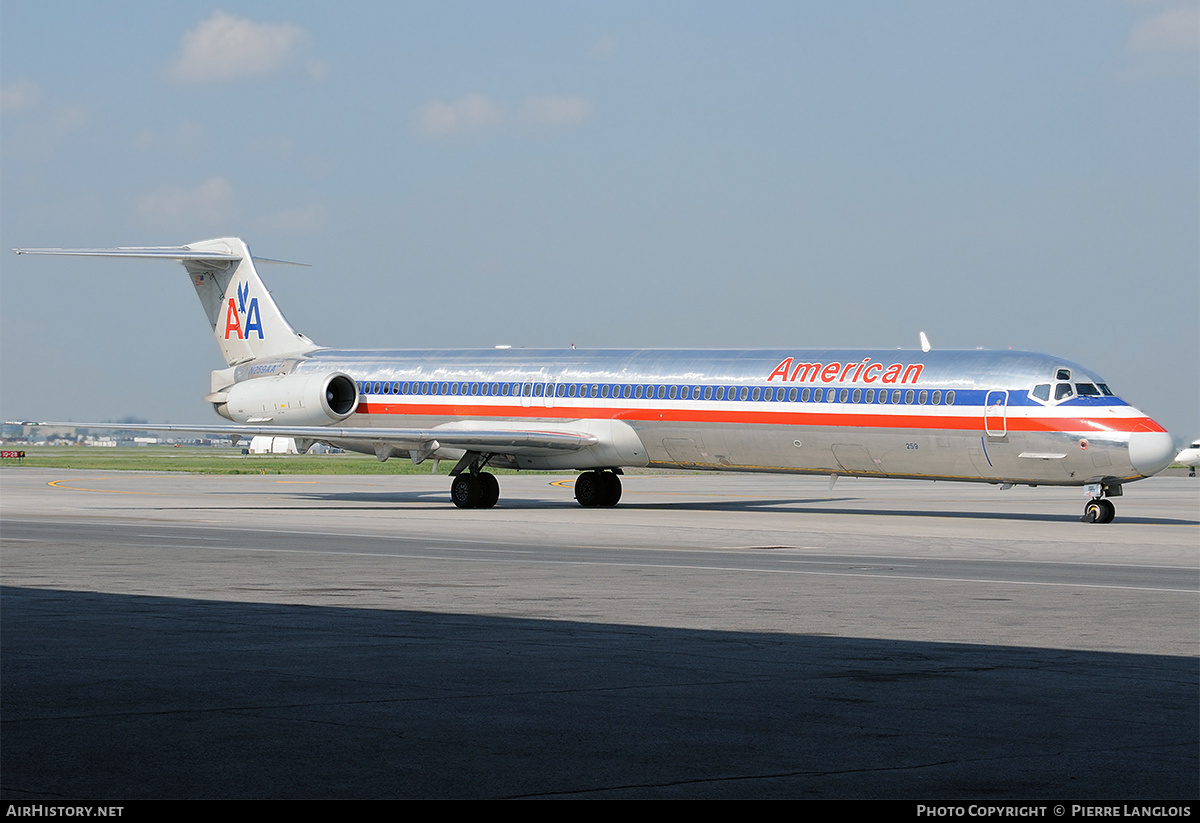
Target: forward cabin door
(995, 414)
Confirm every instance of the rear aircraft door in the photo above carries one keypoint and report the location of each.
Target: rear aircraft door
(995, 413)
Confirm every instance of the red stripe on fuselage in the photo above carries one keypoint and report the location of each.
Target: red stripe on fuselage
(840, 419)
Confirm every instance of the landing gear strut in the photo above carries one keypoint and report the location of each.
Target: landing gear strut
(1099, 509)
(598, 488)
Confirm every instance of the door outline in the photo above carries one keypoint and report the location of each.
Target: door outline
(995, 413)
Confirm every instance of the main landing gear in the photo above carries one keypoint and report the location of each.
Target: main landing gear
(1099, 509)
(478, 490)
(598, 488)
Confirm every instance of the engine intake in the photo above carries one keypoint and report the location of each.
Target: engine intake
(295, 399)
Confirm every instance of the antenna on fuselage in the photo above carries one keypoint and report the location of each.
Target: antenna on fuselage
(925, 343)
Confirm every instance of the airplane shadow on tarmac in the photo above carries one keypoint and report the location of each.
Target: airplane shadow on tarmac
(802, 506)
(117, 696)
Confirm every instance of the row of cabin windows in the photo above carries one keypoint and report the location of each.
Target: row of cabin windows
(639, 391)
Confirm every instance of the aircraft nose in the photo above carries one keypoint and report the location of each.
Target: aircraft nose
(1150, 452)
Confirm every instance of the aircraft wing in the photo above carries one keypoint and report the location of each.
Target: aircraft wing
(460, 435)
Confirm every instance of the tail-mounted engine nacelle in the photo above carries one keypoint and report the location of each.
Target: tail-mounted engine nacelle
(296, 399)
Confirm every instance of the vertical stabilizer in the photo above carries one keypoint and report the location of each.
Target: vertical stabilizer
(245, 320)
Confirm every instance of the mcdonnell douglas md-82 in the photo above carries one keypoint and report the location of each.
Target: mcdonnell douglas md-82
(998, 417)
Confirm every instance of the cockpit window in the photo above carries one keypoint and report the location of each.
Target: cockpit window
(1062, 391)
(1105, 390)
(1063, 374)
(1042, 392)
(1086, 390)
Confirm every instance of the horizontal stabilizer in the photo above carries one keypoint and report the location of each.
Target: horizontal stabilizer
(244, 319)
(151, 252)
(156, 253)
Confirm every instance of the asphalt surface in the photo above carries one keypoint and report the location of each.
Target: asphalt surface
(712, 636)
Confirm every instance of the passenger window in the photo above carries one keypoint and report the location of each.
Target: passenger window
(937, 398)
(1062, 391)
(908, 397)
(949, 398)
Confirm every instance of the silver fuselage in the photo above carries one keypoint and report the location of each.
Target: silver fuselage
(958, 415)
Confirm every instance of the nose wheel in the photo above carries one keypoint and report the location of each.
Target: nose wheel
(1099, 511)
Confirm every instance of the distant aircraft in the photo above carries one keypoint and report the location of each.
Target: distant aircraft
(1190, 457)
(983, 416)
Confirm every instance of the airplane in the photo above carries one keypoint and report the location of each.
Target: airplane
(1190, 457)
(1000, 417)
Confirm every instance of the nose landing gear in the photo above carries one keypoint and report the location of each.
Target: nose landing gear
(1099, 509)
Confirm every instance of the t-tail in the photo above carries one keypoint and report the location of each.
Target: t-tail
(245, 320)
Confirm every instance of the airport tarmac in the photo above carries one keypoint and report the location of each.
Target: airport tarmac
(170, 635)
